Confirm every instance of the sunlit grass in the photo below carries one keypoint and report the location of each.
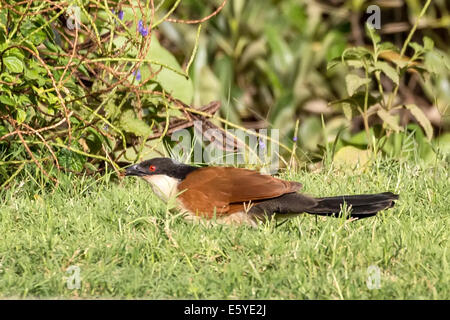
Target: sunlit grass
(126, 244)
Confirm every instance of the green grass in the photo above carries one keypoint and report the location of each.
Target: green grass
(127, 244)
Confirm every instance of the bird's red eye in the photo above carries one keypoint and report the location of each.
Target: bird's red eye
(152, 168)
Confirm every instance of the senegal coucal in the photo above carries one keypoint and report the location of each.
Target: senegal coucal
(243, 196)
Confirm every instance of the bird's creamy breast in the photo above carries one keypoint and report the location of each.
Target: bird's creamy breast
(163, 186)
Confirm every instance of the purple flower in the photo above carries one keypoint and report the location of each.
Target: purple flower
(113, 11)
(138, 74)
(295, 138)
(142, 29)
(262, 145)
(120, 15)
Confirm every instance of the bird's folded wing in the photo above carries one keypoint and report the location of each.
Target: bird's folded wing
(221, 190)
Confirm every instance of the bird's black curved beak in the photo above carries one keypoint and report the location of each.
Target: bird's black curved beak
(134, 170)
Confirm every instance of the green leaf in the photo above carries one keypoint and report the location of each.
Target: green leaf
(355, 63)
(90, 166)
(51, 46)
(251, 52)
(112, 110)
(130, 123)
(400, 63)
(443, 143)
(94, 140)
(422, 119)
(353, 82)
(16, 53)
(338, 45)
(389, 120)
(31, 74)
(9, 78)
(359, 139)
(172, 82)
(295, 14)
(7, 100)
(28, 27)
(349, 158)
(75, 90)
(271, 75)
(418, 49)
(356, 53)
(209, 87)
(13, 64)
(434, 62)
(71, 160)
(282, 55)
(23, 100)
(347, 111)
(333, 63)
(387, 46)
(428, 43)
(388, 71)
(357, 100)
(20, 116)
(3, 131)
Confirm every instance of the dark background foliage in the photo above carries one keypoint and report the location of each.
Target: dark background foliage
(110, 92)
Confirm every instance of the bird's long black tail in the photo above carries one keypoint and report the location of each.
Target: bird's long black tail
(362, 206)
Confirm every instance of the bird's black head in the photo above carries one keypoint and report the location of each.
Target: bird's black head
(160, 166)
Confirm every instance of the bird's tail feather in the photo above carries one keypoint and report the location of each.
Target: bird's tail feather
(362, 206)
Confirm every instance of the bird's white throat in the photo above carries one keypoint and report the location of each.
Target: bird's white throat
(163, 186)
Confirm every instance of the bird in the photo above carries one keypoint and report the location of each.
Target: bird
(231, 195)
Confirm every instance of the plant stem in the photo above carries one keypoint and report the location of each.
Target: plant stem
(366, 102)
(402, 52)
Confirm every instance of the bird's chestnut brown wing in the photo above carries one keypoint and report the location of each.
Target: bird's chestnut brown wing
(223, 190)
